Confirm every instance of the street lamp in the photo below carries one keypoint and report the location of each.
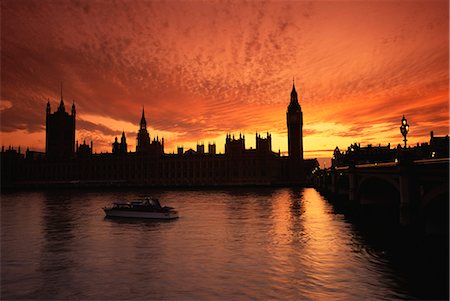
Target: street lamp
(404, 129)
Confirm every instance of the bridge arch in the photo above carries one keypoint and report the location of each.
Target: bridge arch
(378, 186)
(434, 194)
(379, 198)
(434, 208)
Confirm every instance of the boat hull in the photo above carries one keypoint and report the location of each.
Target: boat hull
(141, 214)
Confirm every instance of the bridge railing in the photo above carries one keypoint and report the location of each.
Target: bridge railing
(376, 164)
(432, 161)
(392, 164)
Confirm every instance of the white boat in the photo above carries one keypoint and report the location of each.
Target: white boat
(148, 208)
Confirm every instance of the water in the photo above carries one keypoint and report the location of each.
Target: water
(243, 244)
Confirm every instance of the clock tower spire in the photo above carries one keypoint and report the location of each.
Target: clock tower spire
(294, 118)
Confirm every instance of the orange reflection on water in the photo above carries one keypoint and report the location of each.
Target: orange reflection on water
(313, 251)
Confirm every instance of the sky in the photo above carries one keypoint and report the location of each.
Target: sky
(202, 69)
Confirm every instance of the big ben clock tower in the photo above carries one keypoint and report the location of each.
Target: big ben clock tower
(294, 120)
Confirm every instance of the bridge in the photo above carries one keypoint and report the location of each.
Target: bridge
(417, 191)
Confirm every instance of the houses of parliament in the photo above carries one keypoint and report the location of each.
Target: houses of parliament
(67, 163)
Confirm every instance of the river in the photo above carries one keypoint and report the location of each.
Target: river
(232, 244)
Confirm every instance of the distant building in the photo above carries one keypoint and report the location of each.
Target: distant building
(143, 137)
(144, 146)
(212, 149)
(120, 148)
(84, 150)
(439, 146)
(294, 118)
(60, 132)
(150, 166)
(10, 160)
(356, 154)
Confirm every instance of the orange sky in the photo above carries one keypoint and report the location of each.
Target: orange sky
(202, 69)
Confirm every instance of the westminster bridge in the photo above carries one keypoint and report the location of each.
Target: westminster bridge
(416, 190)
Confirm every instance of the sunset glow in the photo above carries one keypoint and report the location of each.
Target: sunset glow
(204, 69)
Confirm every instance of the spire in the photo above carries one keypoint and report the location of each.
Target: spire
(294, 105)
(293, 92)
(294, 97)
(61, 104)
(143, 121)
(73, 107)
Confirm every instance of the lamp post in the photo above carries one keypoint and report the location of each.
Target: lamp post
(404, 129)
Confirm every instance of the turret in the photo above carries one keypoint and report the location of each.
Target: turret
(143, 137)
(143, 121)
(61, 107)
(123, 144)
(48, 107)
(115, 146)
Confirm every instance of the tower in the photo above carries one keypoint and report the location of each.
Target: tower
(115, 147)
(234, 146)
(120, 148)
(294, 118)
(60, 132)
(123, 143)
(264, 145)
(143, 137)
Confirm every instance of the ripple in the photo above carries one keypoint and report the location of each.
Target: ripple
(246, 244)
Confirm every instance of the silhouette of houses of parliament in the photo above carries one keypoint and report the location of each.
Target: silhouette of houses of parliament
(60, 132)
(149, 165)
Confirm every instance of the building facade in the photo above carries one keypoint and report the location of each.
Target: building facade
(60, 132)
(149, 165)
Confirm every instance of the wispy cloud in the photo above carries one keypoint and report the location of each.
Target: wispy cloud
(204, 69)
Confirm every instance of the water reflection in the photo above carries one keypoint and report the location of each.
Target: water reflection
(21, 240)
(57, 261)
(279, 244)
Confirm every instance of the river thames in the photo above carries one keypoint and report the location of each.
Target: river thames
(233, 244)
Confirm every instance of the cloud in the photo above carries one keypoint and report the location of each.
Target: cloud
(93, 127)
(5, 104)
(204, 69)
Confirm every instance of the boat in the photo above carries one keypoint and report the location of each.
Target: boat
(148, 208)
